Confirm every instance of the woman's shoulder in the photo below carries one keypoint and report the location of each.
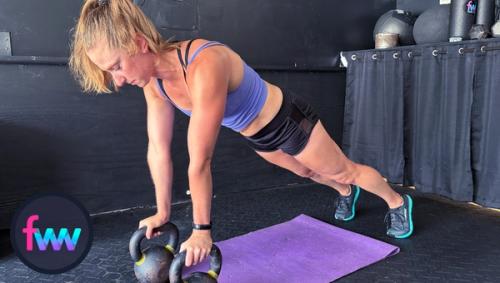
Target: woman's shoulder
(212, 57)
(195, 46)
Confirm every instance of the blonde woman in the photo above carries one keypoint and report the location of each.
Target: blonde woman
(115, 44)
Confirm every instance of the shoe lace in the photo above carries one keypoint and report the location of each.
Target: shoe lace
(342, 203)
(394, 219)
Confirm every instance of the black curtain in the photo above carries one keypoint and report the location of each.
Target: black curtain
(439, 100)
(373, 129)
(485, 128)
(425, 116)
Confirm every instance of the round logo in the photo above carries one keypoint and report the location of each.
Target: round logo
(51, 233)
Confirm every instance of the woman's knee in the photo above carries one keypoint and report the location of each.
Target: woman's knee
(347, 174)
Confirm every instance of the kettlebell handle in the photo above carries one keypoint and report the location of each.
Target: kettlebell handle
(169, 229)
(175, 274)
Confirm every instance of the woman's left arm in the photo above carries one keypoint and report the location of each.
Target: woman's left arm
(208, 81)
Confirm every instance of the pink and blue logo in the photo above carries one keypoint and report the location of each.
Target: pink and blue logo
(49, 236)
(47, 240)
(471, 7)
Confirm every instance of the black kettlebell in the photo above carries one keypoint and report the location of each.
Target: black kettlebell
(196, 277)
(153, 263)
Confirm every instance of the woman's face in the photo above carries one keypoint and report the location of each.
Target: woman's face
(134, 69)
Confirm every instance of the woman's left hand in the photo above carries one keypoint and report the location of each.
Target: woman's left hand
(197, 247)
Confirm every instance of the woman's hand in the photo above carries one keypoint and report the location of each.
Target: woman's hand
(152, 222)
(197, 247)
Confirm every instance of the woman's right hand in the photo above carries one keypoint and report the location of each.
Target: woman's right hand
(152, 222)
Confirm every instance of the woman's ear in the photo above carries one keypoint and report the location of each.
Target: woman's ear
(142, 43)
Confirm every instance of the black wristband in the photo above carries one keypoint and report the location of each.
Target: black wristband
(202, 226)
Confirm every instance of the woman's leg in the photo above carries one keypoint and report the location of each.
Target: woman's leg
(323, 156)
(288, 162)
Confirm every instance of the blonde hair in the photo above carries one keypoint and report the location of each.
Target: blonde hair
(116, 22)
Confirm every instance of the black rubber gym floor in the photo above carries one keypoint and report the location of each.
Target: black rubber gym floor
(453, 242)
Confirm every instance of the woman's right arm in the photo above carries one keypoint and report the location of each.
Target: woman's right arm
(160, 121)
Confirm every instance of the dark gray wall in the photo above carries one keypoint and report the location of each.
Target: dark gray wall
(283, 33)
(54, 138)
(416, 6)
(39, 28)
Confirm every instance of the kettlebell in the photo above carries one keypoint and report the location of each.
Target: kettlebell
(153, 263)
(196, 277)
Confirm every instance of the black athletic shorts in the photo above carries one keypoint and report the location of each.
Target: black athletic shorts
(289, 130)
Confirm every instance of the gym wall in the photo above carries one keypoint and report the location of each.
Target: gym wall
(55, 138)
(418, 7)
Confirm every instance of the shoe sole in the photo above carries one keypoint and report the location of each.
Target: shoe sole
(356, 196)
(410, 209)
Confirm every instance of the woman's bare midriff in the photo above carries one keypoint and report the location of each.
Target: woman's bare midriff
(268, 112)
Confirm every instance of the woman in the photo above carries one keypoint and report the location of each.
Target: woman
(115, 44)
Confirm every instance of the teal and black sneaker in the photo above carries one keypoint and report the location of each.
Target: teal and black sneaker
(399, 221)
(345, 206)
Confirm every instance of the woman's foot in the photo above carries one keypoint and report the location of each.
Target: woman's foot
(345, 206)
(399, 220)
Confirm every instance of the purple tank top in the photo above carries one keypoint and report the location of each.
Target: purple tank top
(242, 104)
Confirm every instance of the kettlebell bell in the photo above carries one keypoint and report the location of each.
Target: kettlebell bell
(153, 263)
(196, 277)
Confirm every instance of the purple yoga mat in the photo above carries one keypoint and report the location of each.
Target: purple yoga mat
(301, 250)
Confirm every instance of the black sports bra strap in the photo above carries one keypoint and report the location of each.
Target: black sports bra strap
(185, 62)
(182, 63)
